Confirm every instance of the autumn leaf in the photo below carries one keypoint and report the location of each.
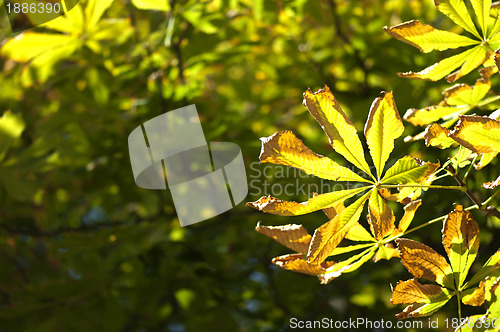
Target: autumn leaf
(427, 38)
(477, 133)
(461, 242)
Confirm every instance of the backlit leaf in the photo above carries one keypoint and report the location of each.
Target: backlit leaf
(423, 262)
(485, 159)
(328, 236)
(460, 241)
(474, 296)
(297, 263)
(482, 11)
(380, 216)
(457, 11)
(426, 38)
(464, 94)
(422, 310)
(439, 70)
(351, 264)
(411, 291)
(410, 210)
(428, 115)
(286, 149)
(437, 135)
(478, 56)
(409, 170)
(339, 129)
(291, 236)
(492, 264)
(477, 133)
(359, 233)
(273, 205)
(383, 126)
(386, 252)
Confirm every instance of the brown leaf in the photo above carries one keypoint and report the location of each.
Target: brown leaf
(437, 135)
(475, 296)
(297, 263)
(411, 291)
(291, 236)
(460, 241)
(423, 262)
(380, 216)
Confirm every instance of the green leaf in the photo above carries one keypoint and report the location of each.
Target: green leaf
(11, 128)
(328, 236)
(359, 233)
(478, 56)
(419, 310)
(383, 126)
(409, 170)
(461, 242)
(428, 115)
(286, 149)
(477, 133)
(426, 38)
(491, 265)
(457, 11)
(339, 129)
(276, 206)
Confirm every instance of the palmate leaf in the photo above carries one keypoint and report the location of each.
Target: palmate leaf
(383, 126)
(426, 39)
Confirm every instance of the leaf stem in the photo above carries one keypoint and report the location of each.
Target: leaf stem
(459, 309)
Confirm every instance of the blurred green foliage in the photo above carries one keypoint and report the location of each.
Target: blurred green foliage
(83, 248)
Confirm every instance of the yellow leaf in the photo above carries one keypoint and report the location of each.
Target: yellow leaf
(291, 236)
(297, 263)
(477, 133)
(286, 149)
(485, 159)
(439, 70)
(411, 291)
(474, 296)
(425, 116)
(460, 241)
(359, 233)
(437, 135)
(29, 45)
(421, 310)
(161, 5)
(273, 205)
(349, 265)
(493, 184)
(380, 216)
(409, 170)
(457, 11)
(482, 10)
(94, 11)
(410, 210)
(426, 38)
(478, 56)
(328, 236)
(339, 129)
(491, 265)
(386, 252)
(464, 94)
(383, 126)
(423, 262)
(332, 212)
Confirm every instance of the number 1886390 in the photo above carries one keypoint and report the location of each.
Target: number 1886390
(33, 8)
